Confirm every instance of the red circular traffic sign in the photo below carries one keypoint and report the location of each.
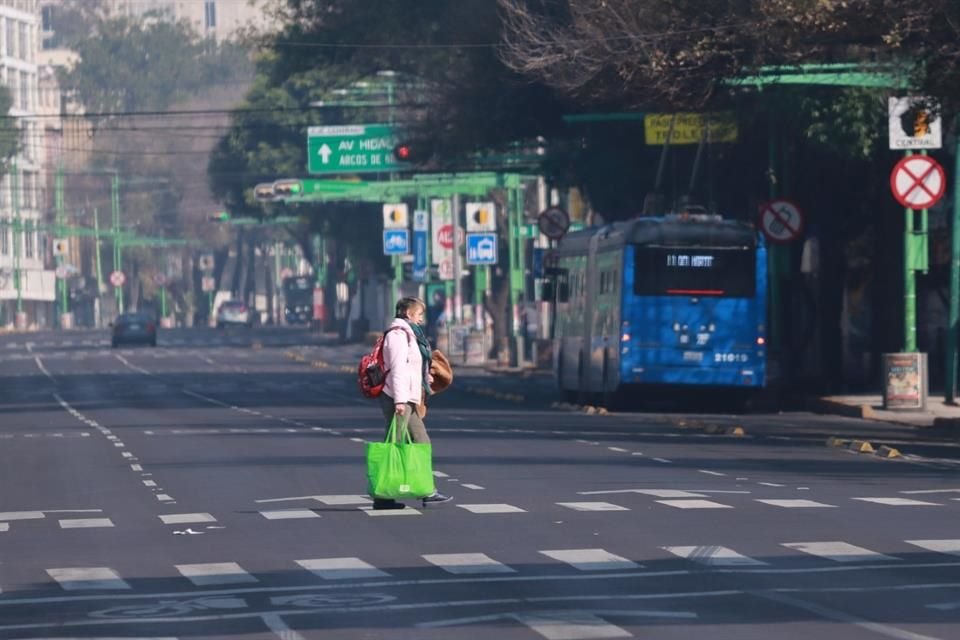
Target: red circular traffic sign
(554, 223)
(918, 182)
(445, 236)
(781, 220)
(117, 278)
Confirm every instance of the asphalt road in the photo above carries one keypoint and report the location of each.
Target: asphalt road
(214, 487)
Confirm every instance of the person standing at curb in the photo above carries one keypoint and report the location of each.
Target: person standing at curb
(406, 357)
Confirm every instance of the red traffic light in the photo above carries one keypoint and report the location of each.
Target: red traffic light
(402, 152)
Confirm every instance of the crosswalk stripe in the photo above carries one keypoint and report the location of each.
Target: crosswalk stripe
(714, 556)
(289, 514)
(86, 523)
(88, 578)
(186, 518)
(463, 563)
(591, 559)
(592, 506)
(341, 568)
(900, 502)
(491, 508)
(838, 551)
(694, 504)
(214, 573)
(571, 625)
(797, 504)
(940, 546)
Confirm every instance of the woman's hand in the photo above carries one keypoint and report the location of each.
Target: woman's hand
(400, 408)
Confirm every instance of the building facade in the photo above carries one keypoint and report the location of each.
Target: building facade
(26, 285)
(217, 19)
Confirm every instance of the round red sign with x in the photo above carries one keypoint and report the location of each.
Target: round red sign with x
(918, 182)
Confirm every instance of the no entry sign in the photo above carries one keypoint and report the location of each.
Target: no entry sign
(781, 220)
(918, 182)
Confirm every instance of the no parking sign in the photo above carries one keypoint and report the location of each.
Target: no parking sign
(781, 220)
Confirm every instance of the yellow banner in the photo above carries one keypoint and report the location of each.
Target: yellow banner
(688, 128)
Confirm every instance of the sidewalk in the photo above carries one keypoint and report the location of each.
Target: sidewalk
(937, 414)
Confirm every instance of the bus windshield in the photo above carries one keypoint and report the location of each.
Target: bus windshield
(693, 271)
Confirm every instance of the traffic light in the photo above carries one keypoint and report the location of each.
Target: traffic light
(402, 152)
(287, 188)
(220, 216)
(263, 192)
(416, 152)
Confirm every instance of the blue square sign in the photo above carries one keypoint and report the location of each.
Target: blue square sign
(481, 248)
(396, 242)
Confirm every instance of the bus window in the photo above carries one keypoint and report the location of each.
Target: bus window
(693, 271)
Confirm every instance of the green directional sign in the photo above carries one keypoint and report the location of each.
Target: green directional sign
(355, 148)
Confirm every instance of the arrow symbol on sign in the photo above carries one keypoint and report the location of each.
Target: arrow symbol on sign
(325, 152)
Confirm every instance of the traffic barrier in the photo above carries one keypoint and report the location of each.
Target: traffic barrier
(884, 451)
(736, 432)
(861, 446)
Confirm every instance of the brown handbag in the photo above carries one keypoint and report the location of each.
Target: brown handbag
(441, 371)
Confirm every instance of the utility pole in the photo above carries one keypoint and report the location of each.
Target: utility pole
(115, 206)
(457, 283)
(59, 224)
(953, 323)
(100, 287)
(20, 321)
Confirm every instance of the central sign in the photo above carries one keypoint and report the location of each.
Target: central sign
(359, 148)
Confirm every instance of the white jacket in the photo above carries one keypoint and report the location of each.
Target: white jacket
(404, 364)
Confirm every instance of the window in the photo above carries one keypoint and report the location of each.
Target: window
(24, 100)
(24, 41)
(28, 236)
(46, 18)
(694, 271)
(210, 14)
(4, 238)
(11, 36)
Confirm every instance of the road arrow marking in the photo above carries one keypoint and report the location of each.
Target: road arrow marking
(325, 152)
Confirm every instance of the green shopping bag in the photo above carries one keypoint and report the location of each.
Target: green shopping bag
(399, 468)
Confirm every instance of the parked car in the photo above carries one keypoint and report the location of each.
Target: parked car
(235, 312)
(134, 328)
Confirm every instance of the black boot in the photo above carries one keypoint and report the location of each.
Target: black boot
(380, 504)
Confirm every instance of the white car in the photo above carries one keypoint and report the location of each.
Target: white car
(236, 313)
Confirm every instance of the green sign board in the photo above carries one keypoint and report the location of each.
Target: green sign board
(352, 148)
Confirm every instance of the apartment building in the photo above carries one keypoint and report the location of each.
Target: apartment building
(26, 286)
(217, 19)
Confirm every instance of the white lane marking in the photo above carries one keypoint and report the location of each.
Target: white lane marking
(186, 518)
(618, 449)
(714, 556)
(343, 499)
(770, 484)
(162, 497)
(126, 454)
(360, 440)
(570, 625)
(7, 516)
(370, 511)
(922, 491)
(280, 628)
(797, 504)
(86, 523)
(838, 551)
(134, 367)
(840, 616)
(440, 474)
(899, 502)
(149, 483)
(711, 473)
(694, 504)
(592, 506)
(940, 546)
(341, 568)
(663, 460)
(214, 573)
(491, 508)
(43, 368)
(467, 563)
(136, 467)
(87, 578)
(657, 493)
(590, 559)
(119, 445)
(289, 514)
(474, 487)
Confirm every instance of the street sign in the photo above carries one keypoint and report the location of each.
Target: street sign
(440, 218)
(206, 262)
(554, 223)
(396, 242)
(208, 284)
(481, 248)
(481, 217)
(420, 254)
(781, 220)
(362, 148)
(914, 123)
(445, 269)
(918, 182)
(59, 247)
(445, 237)
(396, 216)
(689, 128)
(117, 278)
(421, 221)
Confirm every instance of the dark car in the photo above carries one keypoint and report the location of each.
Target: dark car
(134, 328)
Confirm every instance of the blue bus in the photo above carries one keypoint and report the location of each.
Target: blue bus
(671, 302)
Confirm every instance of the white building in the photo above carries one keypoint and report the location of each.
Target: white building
(23, 241)
(217, 19)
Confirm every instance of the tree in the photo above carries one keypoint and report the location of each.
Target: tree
(9, 132)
